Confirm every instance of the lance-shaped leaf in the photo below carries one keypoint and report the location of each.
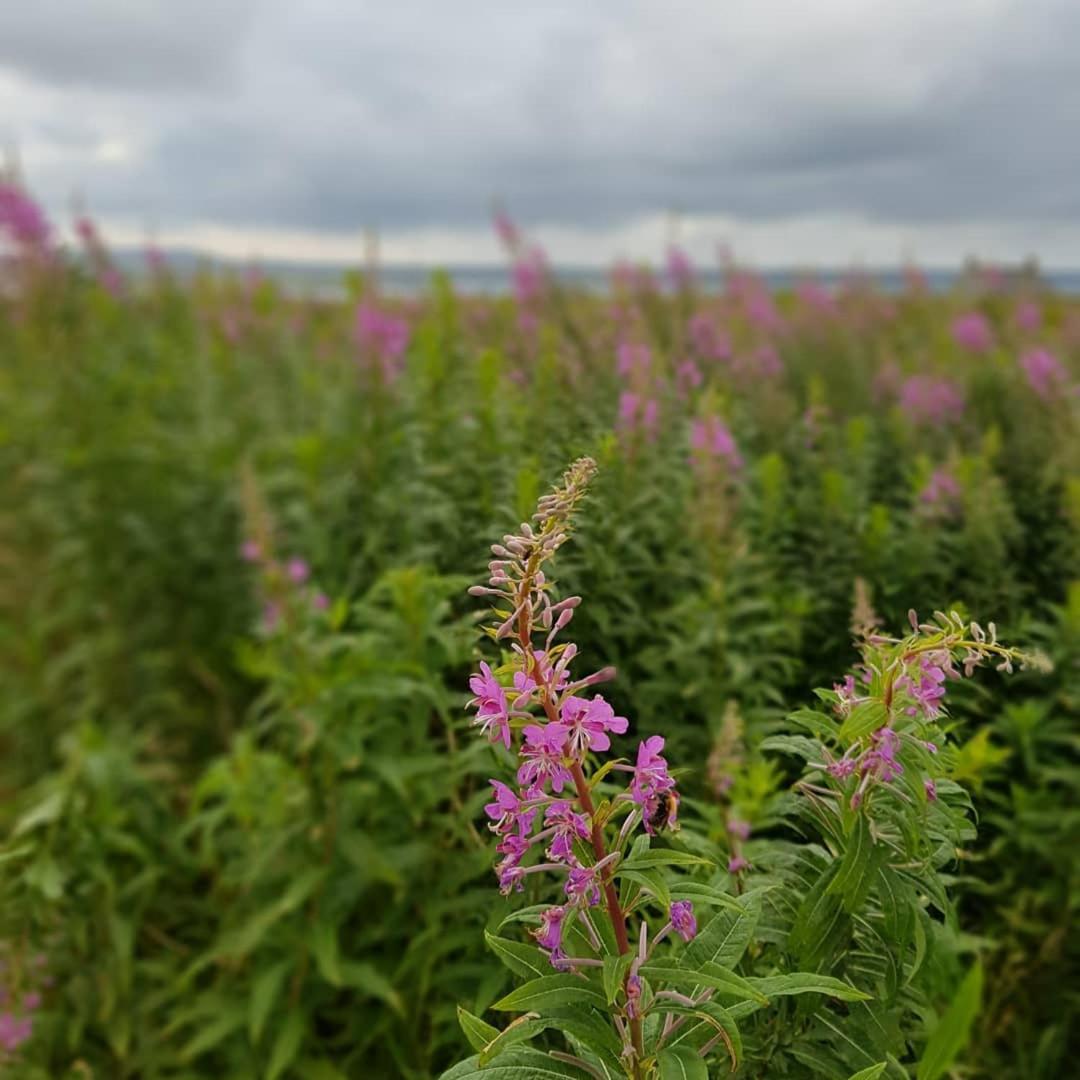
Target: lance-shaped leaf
(550, 992)
(707, 975)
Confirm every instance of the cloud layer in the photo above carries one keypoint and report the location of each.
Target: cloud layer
(849, 123)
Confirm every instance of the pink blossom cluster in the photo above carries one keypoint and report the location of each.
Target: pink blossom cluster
(680, 269)
(528, 276)
(706, 338)
(281, 583)
(546, 822)
(941, 493)
(815, 296)
(931, 400)
(21, 218)
(711, 438)
(910, 677)
(1044, 372)
(381, 336)
(638, 414)
(633, 360)
(1028, 316)
(18, 1006)
(972, 331)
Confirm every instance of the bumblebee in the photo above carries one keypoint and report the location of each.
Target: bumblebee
(662, 812)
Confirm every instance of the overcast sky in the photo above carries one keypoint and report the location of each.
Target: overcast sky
(809, 132)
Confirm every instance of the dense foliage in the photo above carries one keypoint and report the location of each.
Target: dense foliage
(242, 801)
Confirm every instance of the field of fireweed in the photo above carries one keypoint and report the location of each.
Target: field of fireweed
(685, 788)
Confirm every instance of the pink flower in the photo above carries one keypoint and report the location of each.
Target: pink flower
(930, 400)
(931, 789)
(711, 437)
(492, 712)
(628, 409)
(21, 218)
(1028, 316)
(682, 919)
(1044, 372)
(842, 768)
(689, 376)
(739, 829)
(568, 826)
(925, 684)
(815, 295)
(972, 332)
(543, 757)
(881, 760)
(942, 492)
(582, 886)
(631, 358)
(736, 864)
(528, 276)
(707, 341)
(680, 268)
(651, 770)
(298, 571)
(549, 935)
(381, 334)
(506, 812)
(250, 551)
(588, 723)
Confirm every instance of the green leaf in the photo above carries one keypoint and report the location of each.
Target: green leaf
(819, 922)
(682, 1063)
(652, 881)
(858, 866)
(550, 992)
(237, 943)
(45, 875)
(870, 1073)
(725, 937)
(711, 975)
(212, 1033)
(520, 1030)
(951, 1033)
(864, 718)
(711, 1020)
(264, 994)
(516, 1065)
(47, 811)
(807, 982)
(662, 857)
(615, 968)
(521, 959)
(369, 980)
(706, 895)
(324, 944)
(478, 1032)
(287, 1044)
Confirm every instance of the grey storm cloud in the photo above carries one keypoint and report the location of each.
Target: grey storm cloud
(334, 115)
(123, 44)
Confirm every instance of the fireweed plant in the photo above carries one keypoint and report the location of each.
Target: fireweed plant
(618, 966)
